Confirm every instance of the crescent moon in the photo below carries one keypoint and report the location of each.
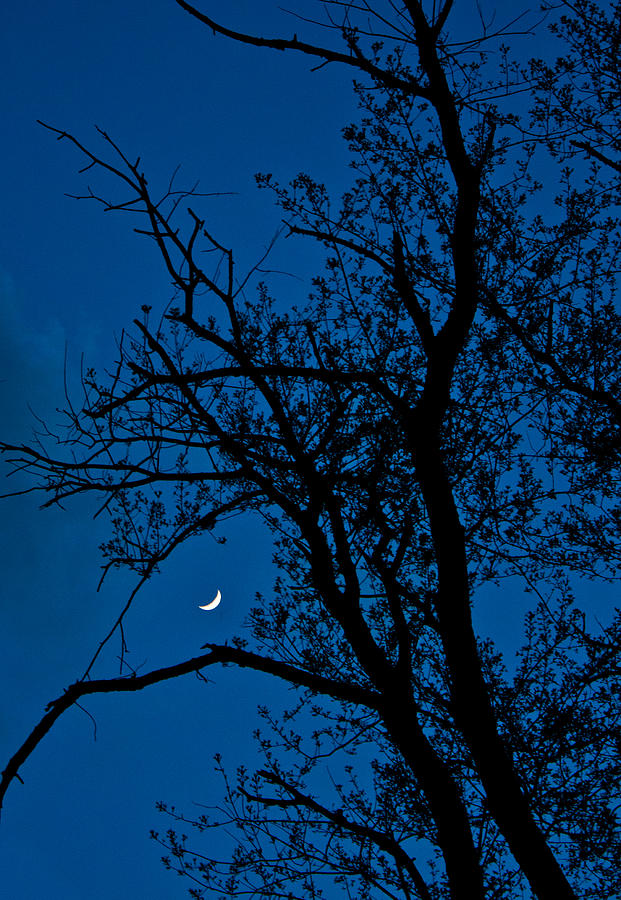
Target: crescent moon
(215, 602)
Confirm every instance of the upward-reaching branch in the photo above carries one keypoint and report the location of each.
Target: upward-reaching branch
(353, 59)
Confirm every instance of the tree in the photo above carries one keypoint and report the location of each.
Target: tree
(443, 414)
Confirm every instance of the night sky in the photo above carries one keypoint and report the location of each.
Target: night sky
(71, 278)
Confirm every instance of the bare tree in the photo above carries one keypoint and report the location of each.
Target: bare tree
(443, 414)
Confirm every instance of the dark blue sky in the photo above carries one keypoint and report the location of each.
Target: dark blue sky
(72, 277)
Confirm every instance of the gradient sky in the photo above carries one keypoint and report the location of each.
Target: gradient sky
(71, 278)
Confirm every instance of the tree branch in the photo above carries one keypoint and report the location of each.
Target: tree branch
(404, 289)
(597, 154)
(384, 841)
(356, 60)
(606, 398)
(222, 654)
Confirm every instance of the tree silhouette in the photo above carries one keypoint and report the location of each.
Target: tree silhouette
(441, 415)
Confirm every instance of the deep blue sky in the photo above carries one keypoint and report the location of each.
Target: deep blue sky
(73, 277)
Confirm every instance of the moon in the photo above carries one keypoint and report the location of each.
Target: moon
(215, 602)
